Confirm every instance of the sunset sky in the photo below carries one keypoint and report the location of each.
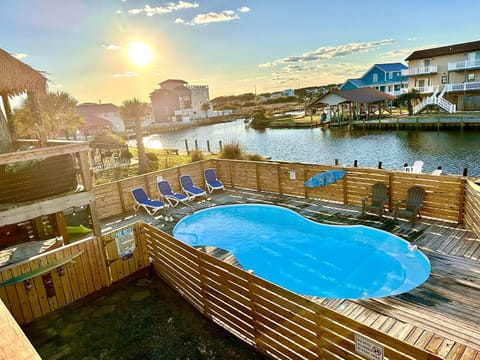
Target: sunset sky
(234, 46)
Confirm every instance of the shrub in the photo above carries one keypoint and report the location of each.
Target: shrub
(126, 155)
(151, 156)
(197, 155)
(106, 137)
(254, 157)
(231, 151)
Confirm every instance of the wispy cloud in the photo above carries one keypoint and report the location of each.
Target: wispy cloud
(211, 17)
(214, 17)
(112, 47)
(329, 52)
(125, 74)
(170, 7)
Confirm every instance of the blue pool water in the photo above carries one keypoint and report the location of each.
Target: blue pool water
(306, 257)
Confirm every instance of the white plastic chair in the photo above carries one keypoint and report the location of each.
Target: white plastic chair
(416, 168)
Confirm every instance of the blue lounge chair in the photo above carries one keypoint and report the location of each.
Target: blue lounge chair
(189, 189)
(172, 198)
(211, 181)
(143, 201)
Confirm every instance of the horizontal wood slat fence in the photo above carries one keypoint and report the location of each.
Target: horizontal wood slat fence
(276, 321)
(444, 198)
(97, 266)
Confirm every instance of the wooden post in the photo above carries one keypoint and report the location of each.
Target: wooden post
(279, 180)
(120, 195)
(355, 163)
(85, 169)
(61, 226)
(336, 162)
(220, 145)
(208, 146)
(465, 171)
(186, 147)
(196, 144)
(379, 164)
(97, 231)
(390, 191)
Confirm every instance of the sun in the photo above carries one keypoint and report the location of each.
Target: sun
(140, 54)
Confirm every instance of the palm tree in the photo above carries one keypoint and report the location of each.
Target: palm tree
(59, 114)
(135, 111)
(409, 98)
(206, 107)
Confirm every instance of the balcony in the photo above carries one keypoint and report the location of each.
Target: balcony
(422, 70)
(462, 87)
(426, 89)
(464, 65)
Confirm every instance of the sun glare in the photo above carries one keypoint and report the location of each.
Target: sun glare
(140, 54)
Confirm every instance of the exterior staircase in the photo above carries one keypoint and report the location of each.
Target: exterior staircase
(438, 100)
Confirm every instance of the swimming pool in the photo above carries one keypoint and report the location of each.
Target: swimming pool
(306, 257)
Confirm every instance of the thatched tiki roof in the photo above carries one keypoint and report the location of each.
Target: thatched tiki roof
(16, 78)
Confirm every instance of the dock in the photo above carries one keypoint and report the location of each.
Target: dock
(437, 123)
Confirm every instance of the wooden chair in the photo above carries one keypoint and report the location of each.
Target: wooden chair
(378, 200)
(413, 204)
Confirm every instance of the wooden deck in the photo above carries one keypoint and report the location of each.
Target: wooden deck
(442, 315)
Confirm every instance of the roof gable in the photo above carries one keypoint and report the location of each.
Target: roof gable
(445, 50)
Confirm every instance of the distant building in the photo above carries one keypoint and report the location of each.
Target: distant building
(450, 73)
(99, 117)
(386, 78)
(176, 101)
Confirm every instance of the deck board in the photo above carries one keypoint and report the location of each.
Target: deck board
(441, 316)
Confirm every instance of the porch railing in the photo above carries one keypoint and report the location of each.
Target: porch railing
(464, 65)
(467, 86)
(420, 70)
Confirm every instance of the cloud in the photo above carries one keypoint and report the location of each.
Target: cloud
(19, 56)
(244, 9)
(112, 46)
(330, 52)
(179, 21)
(125, 74)
(211, 17)
(170, 7)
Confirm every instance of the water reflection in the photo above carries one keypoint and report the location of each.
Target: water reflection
(454, 150)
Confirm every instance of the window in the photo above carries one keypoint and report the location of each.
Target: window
(427, 62)
(471, 77)
(444, 79)
(375, 78)
(390, 75)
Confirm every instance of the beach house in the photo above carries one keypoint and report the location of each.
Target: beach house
(447, 76)
(386, 78)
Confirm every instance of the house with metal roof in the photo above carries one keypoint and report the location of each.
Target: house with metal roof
(446, 76)
(386, 78)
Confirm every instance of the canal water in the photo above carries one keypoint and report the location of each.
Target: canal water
(453, 150)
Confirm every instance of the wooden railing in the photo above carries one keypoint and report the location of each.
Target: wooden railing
(276, 321)
(472, 207)
(444, 197)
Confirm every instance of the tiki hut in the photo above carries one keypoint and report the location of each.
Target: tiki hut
(17, 78)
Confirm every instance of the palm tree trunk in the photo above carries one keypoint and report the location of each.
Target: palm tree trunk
(37, 116)
(142, 156)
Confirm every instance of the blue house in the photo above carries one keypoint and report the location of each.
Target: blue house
(386, 78)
